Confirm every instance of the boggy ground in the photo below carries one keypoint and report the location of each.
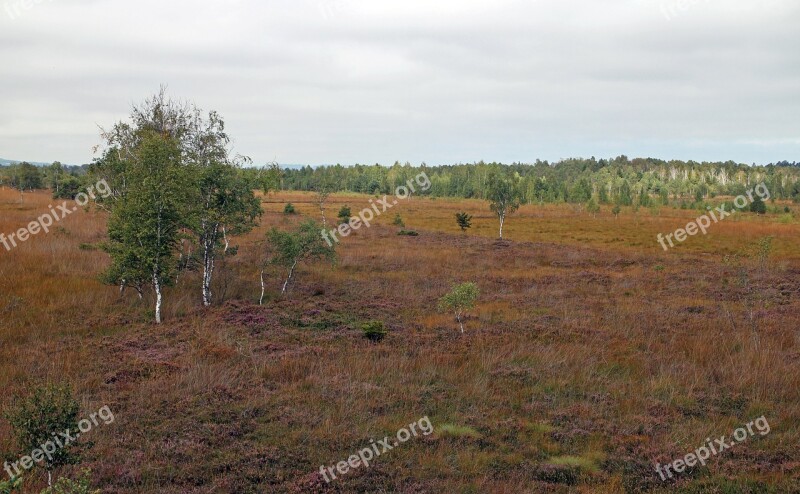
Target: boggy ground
(591, 356)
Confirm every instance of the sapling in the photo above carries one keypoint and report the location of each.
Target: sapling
(460, 299)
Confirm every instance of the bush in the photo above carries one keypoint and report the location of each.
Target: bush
(460, 299)
(374, 331)
(758, 206)
(408, 233)
(69, 188)
(35, 418)
(344, 214)
(464, 221)
(289, 209)
(9, 486)
(398, 221)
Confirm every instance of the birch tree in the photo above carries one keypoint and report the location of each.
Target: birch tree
(226, 205)
(145, 224)
(218, 200)
(289, 249)
(504, 197)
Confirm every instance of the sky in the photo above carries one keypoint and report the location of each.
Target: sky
(435, 81)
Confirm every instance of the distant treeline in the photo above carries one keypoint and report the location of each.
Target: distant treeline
(66, 181)
(620, 180)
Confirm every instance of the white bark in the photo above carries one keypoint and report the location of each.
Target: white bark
(291, 274)
(208, 265)
(157, 288)
(502, 220)
(263, 288)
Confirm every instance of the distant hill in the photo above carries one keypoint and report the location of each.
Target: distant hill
(4, 162)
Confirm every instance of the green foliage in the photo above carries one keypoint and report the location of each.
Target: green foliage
(644, 198)
(408, 233)
(592, 206)
(503, 195)
(616, 210)
(289, 209)
(145, 224)
(398, 221)
(304, 245)
(9, 486)
(173, 179)
(25, 176)
(762, 251)
(66, 486)
(624, 196)
(269, 178)
(374, 331)
(460, 299)
(68, 187)
(464, 221)
(344, 214)
(225, 206)
(758, 206)
(35, 418)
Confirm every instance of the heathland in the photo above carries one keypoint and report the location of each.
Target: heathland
(591, 355)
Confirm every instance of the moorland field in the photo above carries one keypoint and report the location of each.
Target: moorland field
(591, 355)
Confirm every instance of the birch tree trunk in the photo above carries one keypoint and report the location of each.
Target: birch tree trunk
(263, 288)
(157, 288)
(291, 274)
(208, 263)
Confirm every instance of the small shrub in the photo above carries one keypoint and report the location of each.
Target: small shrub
(36, 417)
(758, 206)
(408, 233)
(344, 214)
(762, 251)
(464, 221)
(616, 210)
(289, 209)
(460, 299)
(374, 331)
(398, 221)
(9, 486)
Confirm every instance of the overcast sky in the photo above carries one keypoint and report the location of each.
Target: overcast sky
(440, 81)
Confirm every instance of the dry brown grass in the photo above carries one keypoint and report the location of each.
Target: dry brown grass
(588, 341)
